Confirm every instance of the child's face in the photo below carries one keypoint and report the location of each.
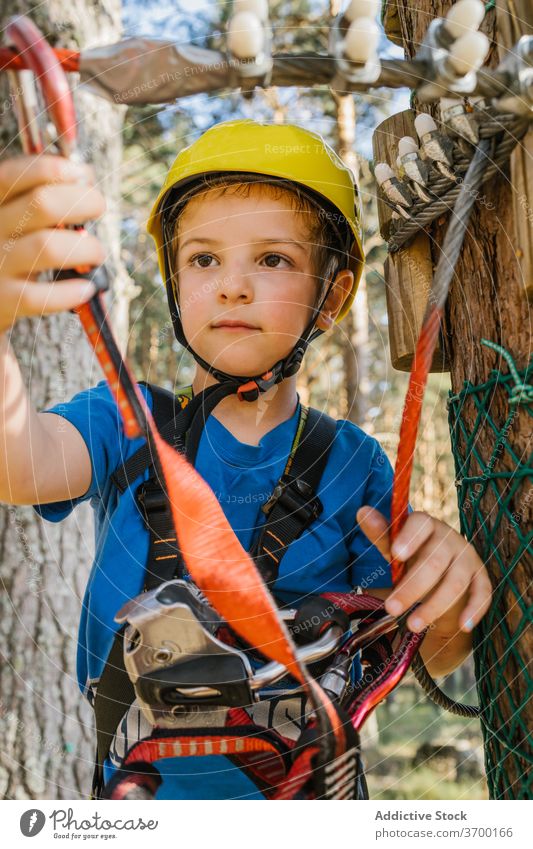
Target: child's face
(246, 284)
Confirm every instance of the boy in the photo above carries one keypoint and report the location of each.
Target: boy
(258, 241)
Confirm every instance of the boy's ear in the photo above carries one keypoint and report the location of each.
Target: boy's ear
(339, 292)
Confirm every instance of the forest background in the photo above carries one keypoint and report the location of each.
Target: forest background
(413, 750)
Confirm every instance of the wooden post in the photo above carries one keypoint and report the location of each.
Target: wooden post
(408, 276)
(408, 273)
(385, 145)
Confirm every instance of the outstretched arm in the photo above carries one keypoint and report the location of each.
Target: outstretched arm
(43, 458)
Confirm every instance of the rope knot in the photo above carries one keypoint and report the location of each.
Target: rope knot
(521, 392)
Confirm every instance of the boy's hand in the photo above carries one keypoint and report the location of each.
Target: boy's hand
(38, 193)
(443, 572)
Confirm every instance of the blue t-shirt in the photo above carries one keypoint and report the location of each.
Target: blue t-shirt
(332, 555)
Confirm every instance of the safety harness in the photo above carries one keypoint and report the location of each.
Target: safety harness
(291, 509)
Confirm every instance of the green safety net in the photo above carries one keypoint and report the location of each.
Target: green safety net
(495, 494)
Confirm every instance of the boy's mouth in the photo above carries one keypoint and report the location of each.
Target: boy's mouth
(227, 324)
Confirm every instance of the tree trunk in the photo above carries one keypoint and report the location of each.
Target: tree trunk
(355, 326)
(46, 727)
(488, 300)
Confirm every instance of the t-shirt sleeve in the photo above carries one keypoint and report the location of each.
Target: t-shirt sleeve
(369, 568)
(94, 413)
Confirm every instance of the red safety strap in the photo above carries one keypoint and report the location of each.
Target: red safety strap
(12, 60)
(185, 746)
(412, 411)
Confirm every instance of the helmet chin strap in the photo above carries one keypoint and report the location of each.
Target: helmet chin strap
(250, 388)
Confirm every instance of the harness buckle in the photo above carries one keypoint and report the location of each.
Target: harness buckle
(174, 659)
(150, 499)
(297, 497)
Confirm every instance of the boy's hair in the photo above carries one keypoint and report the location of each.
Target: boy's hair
(322, 237)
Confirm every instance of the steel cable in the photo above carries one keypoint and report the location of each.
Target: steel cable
(451, 248)
(423, 213)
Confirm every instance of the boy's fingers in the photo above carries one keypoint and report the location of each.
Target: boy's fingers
(424, 572)
(454, 584)
(376, 528)
(418, 528)
(18, 174)
(478, 601)
(48, 249)
(49, 206)
(32, 299)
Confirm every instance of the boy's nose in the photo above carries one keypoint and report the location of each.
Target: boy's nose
(235, 286)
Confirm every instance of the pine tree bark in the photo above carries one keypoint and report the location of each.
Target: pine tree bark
(45, 725)
(488, 300)
(355, 325)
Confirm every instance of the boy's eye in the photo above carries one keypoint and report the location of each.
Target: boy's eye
(200, 257)
(274, 257)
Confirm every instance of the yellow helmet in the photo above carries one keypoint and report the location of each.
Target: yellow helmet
(283, 151)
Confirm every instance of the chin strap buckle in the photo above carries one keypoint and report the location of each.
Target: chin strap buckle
(250, 391)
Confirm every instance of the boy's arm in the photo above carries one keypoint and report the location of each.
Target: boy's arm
(43, 458)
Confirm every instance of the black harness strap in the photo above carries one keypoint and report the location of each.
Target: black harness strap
(167, 410)
(114, 695)
(294, 505)
(164, 560)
